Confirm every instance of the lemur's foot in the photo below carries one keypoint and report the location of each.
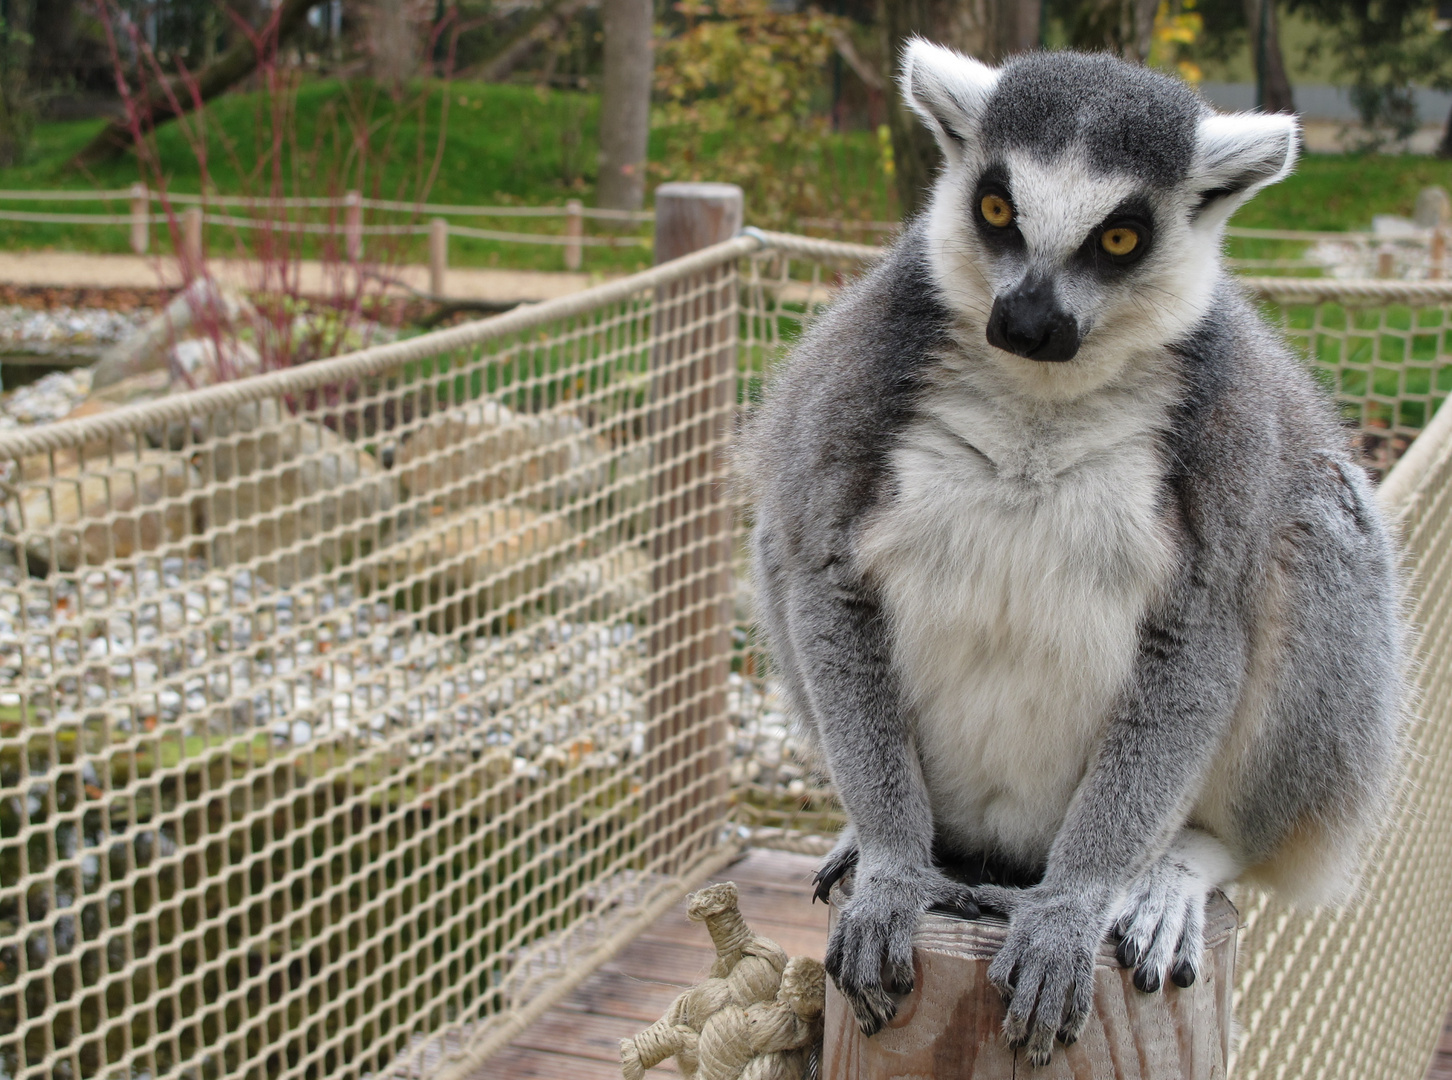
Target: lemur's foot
(1161, 926)
(870, 954)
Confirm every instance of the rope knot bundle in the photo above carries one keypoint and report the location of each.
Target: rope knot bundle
(758, 1016)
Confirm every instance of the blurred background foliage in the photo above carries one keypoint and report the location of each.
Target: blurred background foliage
(794, 100)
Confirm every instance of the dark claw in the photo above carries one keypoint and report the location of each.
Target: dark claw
(1146, 980)
(829, 875)
(1183, 975)
(1128, 953)
(1068, 1038)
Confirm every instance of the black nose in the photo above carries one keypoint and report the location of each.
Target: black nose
(1029, 321)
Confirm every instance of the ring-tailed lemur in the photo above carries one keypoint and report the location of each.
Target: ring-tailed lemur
(1063, 557)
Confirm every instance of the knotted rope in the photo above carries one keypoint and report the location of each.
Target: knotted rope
(758, 1016)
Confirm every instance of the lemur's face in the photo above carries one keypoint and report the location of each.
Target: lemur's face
(1078, 220)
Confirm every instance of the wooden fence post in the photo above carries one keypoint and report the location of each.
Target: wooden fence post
(955, 1015)
(693, 394)
(353, 225)
(1437, 254)
(140, 219)
(1385, 262)
(438, 254)
(574, 230)
(191, 229)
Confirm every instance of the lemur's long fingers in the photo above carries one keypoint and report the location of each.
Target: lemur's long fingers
(854, 960)
(1055, 992)
(1020, 1006)
(1081, 1004)
(1140, 922)
(1189, 952)
(1154, 968)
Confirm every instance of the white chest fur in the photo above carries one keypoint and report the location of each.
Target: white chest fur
(1016, 559)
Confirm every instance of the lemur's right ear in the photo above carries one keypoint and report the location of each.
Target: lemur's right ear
(948, 90)
(1238, 154)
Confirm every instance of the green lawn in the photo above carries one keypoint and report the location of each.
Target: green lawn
(521, 145)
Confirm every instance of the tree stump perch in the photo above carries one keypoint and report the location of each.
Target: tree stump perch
(951, 1024)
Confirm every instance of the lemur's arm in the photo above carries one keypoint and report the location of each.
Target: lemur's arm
(840, 637)
(1129, 807)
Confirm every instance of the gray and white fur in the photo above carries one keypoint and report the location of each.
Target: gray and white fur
(1064, 560)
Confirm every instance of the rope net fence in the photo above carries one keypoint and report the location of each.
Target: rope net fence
(346, 711)
(351, 714)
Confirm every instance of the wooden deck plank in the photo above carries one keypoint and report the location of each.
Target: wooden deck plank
(611, 993)
(517, 1063)
(585, 1034)
(796, 940)
(580, 1038)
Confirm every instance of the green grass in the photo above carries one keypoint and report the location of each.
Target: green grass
(522, 145)
(1334, 191)
(505, 145)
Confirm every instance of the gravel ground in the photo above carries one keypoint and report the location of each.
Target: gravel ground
(65, 329)
(173, 641)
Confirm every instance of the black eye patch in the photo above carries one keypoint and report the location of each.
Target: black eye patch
(1122, 239)
(993, 185)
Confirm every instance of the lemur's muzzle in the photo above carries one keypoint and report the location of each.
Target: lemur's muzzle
(1029, 321)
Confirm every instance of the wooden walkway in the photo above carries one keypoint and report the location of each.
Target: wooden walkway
(580, 1040)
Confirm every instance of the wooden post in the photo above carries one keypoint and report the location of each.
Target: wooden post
(438, 254)
(1437, 254)
(140, 219)
(191, 228)
(574, 230)
(955, 1015)
(689, 217)
(353, 225)
(693, 395)
(1385, 262)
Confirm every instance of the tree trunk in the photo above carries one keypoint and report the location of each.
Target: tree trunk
(1123, 27)
(156, 106)
(500, 67)
(625, 103)
(1444, 148)
(987, 29)
(54, 34)
(1273, 87)
(393, 39)
(17, 106)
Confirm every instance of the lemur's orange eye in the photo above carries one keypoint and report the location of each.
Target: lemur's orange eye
(996, 210)
(1119, 241)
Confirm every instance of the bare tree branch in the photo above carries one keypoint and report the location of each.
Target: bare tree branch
(177, 96)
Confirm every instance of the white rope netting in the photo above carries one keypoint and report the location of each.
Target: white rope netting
(351, 714)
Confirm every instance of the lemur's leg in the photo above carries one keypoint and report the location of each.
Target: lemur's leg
(1162, 919)
(840, 638)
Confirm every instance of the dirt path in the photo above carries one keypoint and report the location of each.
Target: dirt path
(77, 270)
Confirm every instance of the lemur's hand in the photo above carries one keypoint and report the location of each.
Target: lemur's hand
(1045, 970)
(870, 954)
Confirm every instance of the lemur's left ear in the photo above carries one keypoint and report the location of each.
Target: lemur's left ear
(1238, 154)
(948, 90)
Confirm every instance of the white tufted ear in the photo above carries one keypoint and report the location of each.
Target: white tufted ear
(1238, 154)
(947, 90)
